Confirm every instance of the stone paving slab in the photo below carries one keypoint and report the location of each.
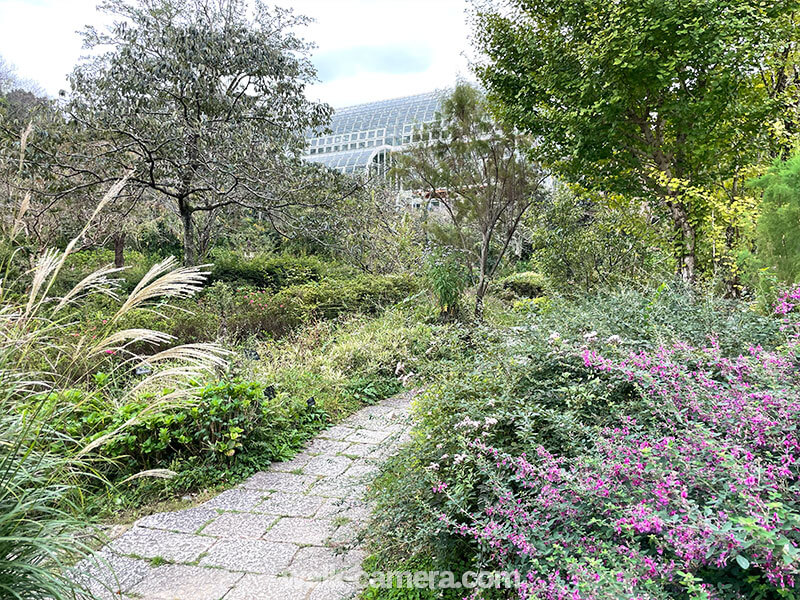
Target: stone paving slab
(300, 531)
(182, 582)
(352, 509)
(328, 466)
(240, 525)
(298, 463)
(334, 589)
(253, 556)
(337, 432)
(269, 587)
(334, 487)
(189, 520)
(322, 446)
(289, 533)
(360, 450)
(153, 543)
(237, 499)
(368, 436)
(106, 574)
(292, 505)
(280, 482)
(316, 563)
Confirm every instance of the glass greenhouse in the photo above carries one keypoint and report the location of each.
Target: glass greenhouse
(362, 137)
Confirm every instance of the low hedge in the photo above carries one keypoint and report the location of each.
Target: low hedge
(527, 284)
(265, 271)
(262, 313)
(223, 312)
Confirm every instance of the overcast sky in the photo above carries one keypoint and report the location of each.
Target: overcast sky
(366, 49)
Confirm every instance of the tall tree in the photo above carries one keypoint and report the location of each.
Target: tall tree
(480, 172)
(779, 222)
(204, 101)
(659, 99)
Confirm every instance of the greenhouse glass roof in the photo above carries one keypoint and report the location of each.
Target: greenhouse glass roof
(359, 134)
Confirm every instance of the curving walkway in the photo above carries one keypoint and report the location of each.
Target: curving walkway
(289, 533)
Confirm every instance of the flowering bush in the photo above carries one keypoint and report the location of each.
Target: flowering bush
(695, 494)
(600, 468)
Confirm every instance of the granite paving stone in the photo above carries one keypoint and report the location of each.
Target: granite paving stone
(368, 436)
(362, 469)
(153, 543)
(334, 487)
(238, 525)
(316, 563)
(297, 463)
(360, 450)
(254, 556)
(321, 446)
(280, 482)
(182, 582)
(329, 466)
(106, 574)
(350, 508)
(337, 432)
(237, 499)
(269, 587)
(345, 535)
(334, 589)
(189, 520)
(300, 531)
(291, 505)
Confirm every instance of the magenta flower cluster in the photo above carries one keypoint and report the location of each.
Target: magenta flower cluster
(696, 489)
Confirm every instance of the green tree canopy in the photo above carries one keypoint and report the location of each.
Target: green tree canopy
(645, 98)
(204, 101)
(778, 230)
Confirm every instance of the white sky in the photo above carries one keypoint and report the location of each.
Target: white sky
(366, 49)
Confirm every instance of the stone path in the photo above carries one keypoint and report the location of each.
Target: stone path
(289, 533)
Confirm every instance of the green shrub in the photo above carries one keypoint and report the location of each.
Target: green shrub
(232, 429)
(215, 427)
(446, 278)
(265, 271)
(261, 313)
(527, 284)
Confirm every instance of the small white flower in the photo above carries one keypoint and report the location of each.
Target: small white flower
(614, 339)
(468, 423)
(433, 466)
(590, 336)
(488, 422)
(554, 337)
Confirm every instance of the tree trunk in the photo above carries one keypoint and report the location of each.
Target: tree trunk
(189, 256)
(480, 292)
(687, 256)
(119, 250)
(483, 284)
